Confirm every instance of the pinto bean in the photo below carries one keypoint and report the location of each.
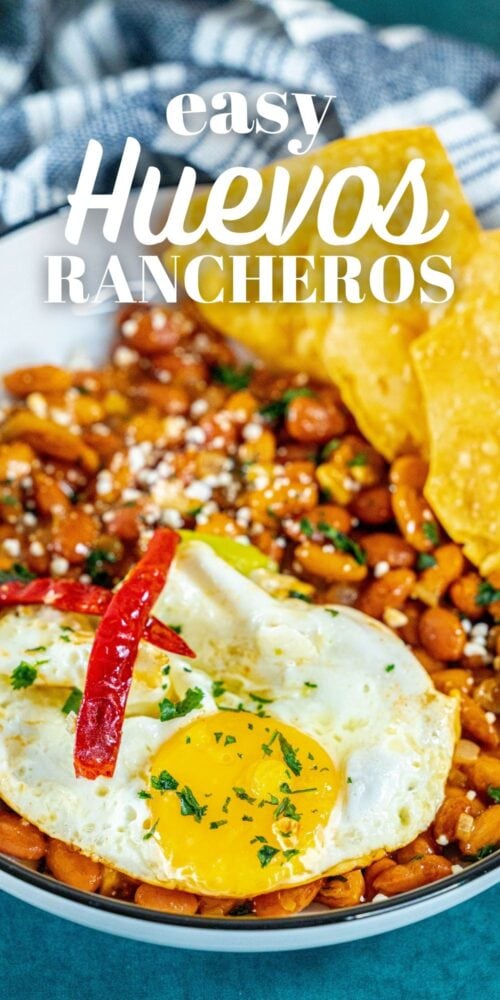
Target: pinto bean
(484, 773)
(312, 421)
(424, 844)
(463, 593)
(435, 580)
(391, 591)
(154, 897)
(39, 378)
(414, 518)
(20, 838)
(409, 470)
(381, 547)
(441, 634)
(331, 566)
(73, 868)
(343, 890)
(373, 505)
(286, 902)
(419, 872)
(474, 720)
(74, 533)
(485, 832)
(215, 906)
(49, 438)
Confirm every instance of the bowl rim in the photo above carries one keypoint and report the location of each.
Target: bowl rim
(351, 914)
(122, 908)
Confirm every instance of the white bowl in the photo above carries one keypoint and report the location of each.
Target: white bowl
(33, 332)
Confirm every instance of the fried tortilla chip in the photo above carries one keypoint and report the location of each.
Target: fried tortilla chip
(458, 366)
(363, 348)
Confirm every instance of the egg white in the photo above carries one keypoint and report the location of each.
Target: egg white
(390, 734)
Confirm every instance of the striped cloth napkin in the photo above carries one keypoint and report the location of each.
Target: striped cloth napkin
(71, 71)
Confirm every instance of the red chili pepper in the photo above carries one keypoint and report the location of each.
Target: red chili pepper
(85, 599)
(65, 595)
(166, 638)
(112, 658)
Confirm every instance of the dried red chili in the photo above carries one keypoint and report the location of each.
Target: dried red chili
(85, 599)
(112, 658)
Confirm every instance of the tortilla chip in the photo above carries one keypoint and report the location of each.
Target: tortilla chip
(365, 346)
(458, 366)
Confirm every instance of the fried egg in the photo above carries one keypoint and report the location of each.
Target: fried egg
(303, 740)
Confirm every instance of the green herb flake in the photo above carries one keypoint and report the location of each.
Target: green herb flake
(176, 628)
(389, 668)
(289, 755)
(23, 676)
(309, 684)
(16, 574)
(265, 854)
(426, 560)
(332, 612)
(358, 460)
(260, 700)
(73, 702)
(277, 408)
(143, 794)
(96, 565)
(290, 853)
(192, 699)
(189, 805)
(329, 448)
(349, 781)
(218, 689)
(484, 852)
(217, 737)
(226, 804)
(306, 527)
(233, 378)
(287, 809)
(229, 740)
(164, 782)
(217, 823)
(299, 596)
(151, 832)
(242, 794)
(431, 532)
(494, 793)
(486, 594)
(342, 542)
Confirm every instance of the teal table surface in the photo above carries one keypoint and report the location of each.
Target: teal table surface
(453, 956)
(472, 20)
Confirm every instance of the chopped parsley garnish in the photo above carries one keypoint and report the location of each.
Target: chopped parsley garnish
(192, 699)
(189, 804)
(258, 840)
(486, 594)
(285, 788)
(217, 823)
(431, 532)
(309, 684)
(349, 781)
(277, 408)
(290, 853)
(151, 832)
(299, 596)
(426, 560)
(332, 612)
(289, 755)
(217, 736)
(226, 804)
(266, 853)
(176, 628)
(218, 689)
(494, 793)
(484, 852)
(143, 794)
(329, 448)
(8, 500)
(260, 700)
(342, 542)
(247, 819)
(358, 460)
(228, 740)
(16, 573)
(164, 782)
(306, 527)
(95, 565)
(232, 378)
(389, 668)
(242, 794)
(73, 702)
(286, 808)
(37, 649)
(23, 676)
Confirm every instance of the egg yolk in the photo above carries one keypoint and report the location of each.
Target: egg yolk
(238, 800)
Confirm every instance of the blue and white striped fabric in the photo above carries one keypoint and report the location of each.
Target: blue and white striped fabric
(71, 71)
